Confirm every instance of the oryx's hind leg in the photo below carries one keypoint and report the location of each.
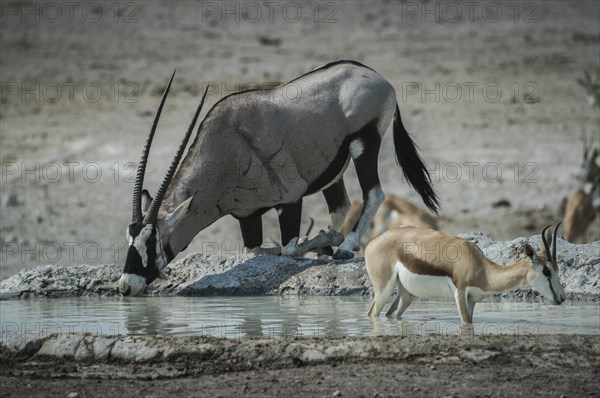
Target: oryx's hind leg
(364, 150)
(338, 205)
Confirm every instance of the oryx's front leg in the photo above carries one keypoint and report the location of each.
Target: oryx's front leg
(252, 232)
(364, 150)
(290, 216)
(322, 240)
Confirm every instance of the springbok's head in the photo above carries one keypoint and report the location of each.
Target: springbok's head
(589, 170)
(149, 251)
(544, 269)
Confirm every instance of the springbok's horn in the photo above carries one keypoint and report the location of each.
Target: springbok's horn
(139, 180)
(548, 253)
(152, 215)
(554, 242)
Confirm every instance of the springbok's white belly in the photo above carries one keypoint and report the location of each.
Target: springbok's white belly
(425, 286)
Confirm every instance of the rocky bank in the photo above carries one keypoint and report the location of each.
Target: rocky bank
(197, 275)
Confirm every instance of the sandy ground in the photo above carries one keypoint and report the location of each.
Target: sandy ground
(488, 93)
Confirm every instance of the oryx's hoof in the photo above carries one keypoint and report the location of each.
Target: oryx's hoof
(342, 255)
(327, 250)
(335, 238)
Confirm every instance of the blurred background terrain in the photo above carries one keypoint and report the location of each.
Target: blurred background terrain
(487, 89)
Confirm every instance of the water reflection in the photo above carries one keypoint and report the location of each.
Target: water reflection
(284, 317)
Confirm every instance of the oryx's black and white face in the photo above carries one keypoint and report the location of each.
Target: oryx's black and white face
(145, 260)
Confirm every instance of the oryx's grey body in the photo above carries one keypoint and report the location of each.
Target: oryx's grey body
(268, 149)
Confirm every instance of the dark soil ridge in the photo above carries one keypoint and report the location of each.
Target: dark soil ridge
(206, 355)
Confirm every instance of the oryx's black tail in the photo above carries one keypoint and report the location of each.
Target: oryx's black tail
(412, 165)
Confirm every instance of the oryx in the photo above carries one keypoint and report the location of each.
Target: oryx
(263, 149)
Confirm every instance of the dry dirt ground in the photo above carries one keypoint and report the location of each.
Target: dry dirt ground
(451, 366)
(487, 90)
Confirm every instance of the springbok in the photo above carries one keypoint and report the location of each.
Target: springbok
(393, 212)
(579, 211)
(263, 149)
(591, 87)
(579, 214)
(427, 263)
(589, 170)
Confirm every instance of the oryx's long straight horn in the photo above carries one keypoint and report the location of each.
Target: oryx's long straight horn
(554, 242)
(152, 215)
(546, 246)
(139, 180)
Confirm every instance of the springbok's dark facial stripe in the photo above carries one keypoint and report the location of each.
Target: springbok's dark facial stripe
(548, 276)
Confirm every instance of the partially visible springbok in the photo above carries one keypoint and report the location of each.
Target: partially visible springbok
(268, 149)
(589, 170)
(579, 211)
(393, 212)
(579, 214)
(427, 263)
(592, 87)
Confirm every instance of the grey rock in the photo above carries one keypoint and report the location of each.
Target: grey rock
(198, 275)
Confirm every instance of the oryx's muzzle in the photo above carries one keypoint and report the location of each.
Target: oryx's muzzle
(145, 259)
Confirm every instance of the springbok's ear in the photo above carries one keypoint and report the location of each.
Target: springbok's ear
(146, 201)
(179, 213)
(529, 252)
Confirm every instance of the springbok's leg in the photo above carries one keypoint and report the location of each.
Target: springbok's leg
(470, 306)
(252, 232)
(460, 295)
(404, 298)
(364, 151)
(383, 289)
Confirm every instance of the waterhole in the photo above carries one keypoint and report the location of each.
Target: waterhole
(284, 317)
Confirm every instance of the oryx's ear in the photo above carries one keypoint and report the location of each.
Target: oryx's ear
(529, 252)
(178, 214)
(146, 201)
